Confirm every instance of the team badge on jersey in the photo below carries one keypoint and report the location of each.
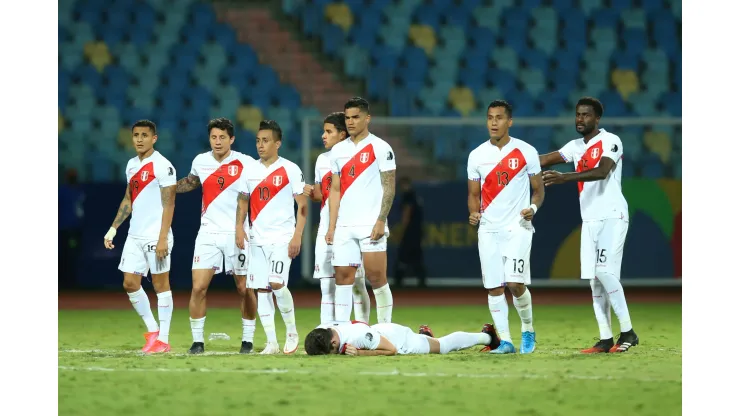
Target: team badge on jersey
(144, 175)
(233, 170)
(364, 157)
(277, 180)
(513, 163)
(594, 153)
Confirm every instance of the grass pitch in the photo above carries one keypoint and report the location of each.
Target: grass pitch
(102, 373)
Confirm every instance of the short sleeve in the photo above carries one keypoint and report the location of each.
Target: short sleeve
(243, 183)
(364, 337)
(334, 163)
(566, 152)
(612, 148)
(317, 172)
(296, 178)
(473, 174)
(385, 157)
(193, 169)
(533, 162)
(166, 174)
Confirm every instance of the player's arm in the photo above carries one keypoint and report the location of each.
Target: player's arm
(124, 210)
(188, 183)
(295, 244)
(596, 174)
(551, 159)
(242, 207)
(473, 202)
(384, 348)
(388, 182)
(315, 192)
(168, 194)
(333, 203)
(538, 189)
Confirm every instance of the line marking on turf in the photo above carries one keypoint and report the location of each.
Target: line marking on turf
(394, 373)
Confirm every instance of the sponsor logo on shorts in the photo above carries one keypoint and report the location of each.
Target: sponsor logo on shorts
(196, 259)
(316, 268)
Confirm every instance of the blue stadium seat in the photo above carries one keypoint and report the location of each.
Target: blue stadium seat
(356, 60)
(606, 18)
(332, 37)
(636, 40)
(503, 80)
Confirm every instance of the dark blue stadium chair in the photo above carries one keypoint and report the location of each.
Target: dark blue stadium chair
(411, 82)
(370, 19)
(87, 74)
(472, 78)
(549, 106)
(202, 17)
(531, 4)
(379, 83)
(677, 75)
(414, 60)
(476, 60)
(665, 34)
(651, 166)
(63, 81)
(383, 59)
(288, 97)
(332, 39)
(606, 17)
(400, 101)
(224, 35)
(312, 19)
(363, 37)
(244, 57)
(563, 6)
(635, 40)
(183, 59)
(651, 6)
(267, 77)
(481, 39)
(521, 103)
(459, 16)
(89, 11)
(671, 102)
(628, 168)
(614, 105)
(428, 15)
(536, 59)
(358, 6)
(624, 59)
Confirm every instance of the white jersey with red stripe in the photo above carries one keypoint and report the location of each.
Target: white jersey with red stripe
(602, 199)
(322, 179)
(220, 182)
(146, 177)
(505, 188)
(358, 334)
(272, 190)
(359, 167)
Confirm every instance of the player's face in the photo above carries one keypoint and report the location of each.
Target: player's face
(267, 146)
(498, 123)
(586, 120)
(334, 343)
(220, 141)
(331, 136)
(356, 120)
(143, 139)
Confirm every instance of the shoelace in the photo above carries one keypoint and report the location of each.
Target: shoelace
(528, 336)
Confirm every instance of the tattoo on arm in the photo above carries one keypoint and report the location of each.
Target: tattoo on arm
(242, 205)
(124, 210)
(188, 183)
(168, 196)
(388, 180)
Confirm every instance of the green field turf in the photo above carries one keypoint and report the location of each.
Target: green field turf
(101, 373)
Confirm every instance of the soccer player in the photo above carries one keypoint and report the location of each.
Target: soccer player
(150, 200)
(500, 174)
(363, 185)
(359, 339)
(597, 157)
(218, 171)
(267, 191)
(335, 130)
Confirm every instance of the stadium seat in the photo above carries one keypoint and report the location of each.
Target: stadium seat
(340, 15)
(462, 100)
(660, 144)
(626, 82)
(424, 37)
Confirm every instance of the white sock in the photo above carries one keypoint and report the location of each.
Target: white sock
(140, 302)
(164, 311)
(343, 303)
(266, 311)
(523, 305)
(616, 297)
(196, 326)
(328, 286)
(457, 341)
(248, 328)
(384, 304)
(500, 313)
(287, 309)
(602, 310)
(362, 300)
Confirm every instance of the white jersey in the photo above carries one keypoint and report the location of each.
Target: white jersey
(505, 188)
(323, 180)
(357, 334)
(146, 177)
(220, 182)
(271, 200)
(359, 167)
(602, 199)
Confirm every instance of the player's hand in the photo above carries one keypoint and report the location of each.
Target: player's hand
(294, 247)
(378, 230)
(308, 190)
(474, 218)
(350, 350)
(329, 237)
(527, 214)
(241, 237)
(551, 177)
(162, 251)
(108, 239)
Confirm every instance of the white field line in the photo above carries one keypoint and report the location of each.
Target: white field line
(394, 373)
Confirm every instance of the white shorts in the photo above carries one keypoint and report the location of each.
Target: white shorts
(504, 257)
(139, 255)
(351, 242)
(268, 264)
(602, 246)
(322, 261)
(220, 253)
(404, 339)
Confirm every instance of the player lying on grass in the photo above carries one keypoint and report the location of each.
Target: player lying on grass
(358, 338)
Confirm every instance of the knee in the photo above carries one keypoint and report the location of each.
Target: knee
(199, 289)
(242, 290)
(498, 291)
(516, 289)
(131, 285)
(276, 286)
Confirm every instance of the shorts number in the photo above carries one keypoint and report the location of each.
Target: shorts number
(151, 247)
(601, 255)
(503, 178)
(518, 265)
(242, 259)
(277, 267)
(352, 171)
(264, 193)
(221, 181)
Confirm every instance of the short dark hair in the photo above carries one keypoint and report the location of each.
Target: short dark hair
(358, 102)
(274, 126)
(337, 119)
(501, 103)
(145, 123)
(594, 103)
(221, 123)
(318, 342)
